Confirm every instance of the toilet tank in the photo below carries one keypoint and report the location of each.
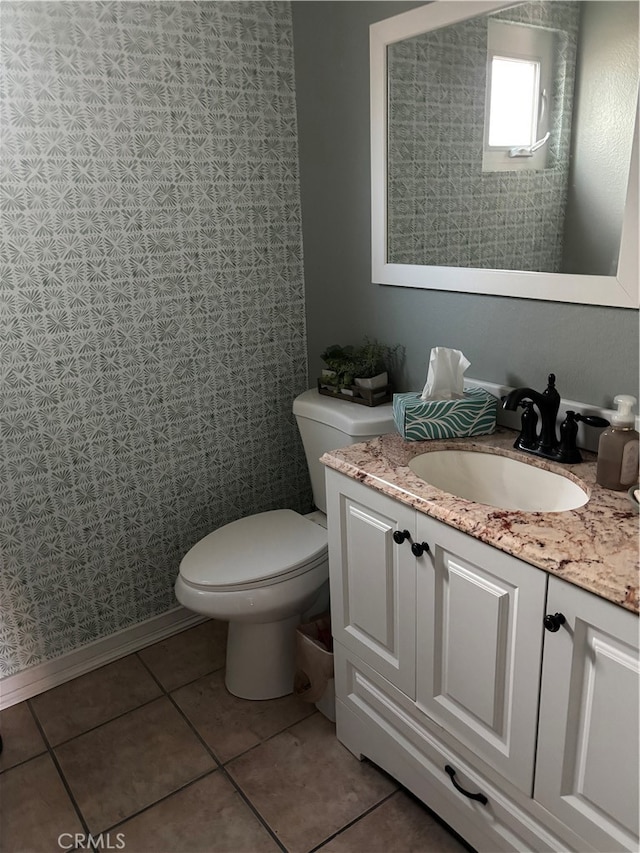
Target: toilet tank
(326, 424)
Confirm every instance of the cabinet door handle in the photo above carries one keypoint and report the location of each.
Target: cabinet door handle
(400, 535)
(552, 622)
(479, 797)
(420, 548)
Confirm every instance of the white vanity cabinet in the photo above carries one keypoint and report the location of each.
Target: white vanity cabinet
(438, 660)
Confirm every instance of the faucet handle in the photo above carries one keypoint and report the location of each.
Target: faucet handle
(529, 425)
(567, 450)
(591, 420)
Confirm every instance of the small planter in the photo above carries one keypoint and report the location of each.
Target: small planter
(358, 374)
(373, 382)
(358, 394)
(326, 380)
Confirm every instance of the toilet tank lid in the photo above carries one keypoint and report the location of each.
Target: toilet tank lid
(254, 548)
(349, 418)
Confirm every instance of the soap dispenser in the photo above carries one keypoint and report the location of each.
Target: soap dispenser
(618, 448)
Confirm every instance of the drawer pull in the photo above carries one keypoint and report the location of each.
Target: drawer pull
(479, 797)
(420, 548)
(417, 548)
(553, 621)
(400, 535)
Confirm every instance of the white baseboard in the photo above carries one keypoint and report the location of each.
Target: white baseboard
(588, 437)
(23, 685)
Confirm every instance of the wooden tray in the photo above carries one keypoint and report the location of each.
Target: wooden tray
(362, 396)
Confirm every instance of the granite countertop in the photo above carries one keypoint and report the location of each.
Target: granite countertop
(594, 546)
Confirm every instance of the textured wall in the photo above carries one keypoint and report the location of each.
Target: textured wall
(152, 302)
(444, 210)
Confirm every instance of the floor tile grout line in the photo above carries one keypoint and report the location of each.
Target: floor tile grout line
(34, 714)
(194, 730)
(168, 696)
(222, 768)
(218, 769)
(268, 737)
(50, 750)
(161, 799)
(151, 673)
(220, 765)
(253, 809)
(106, 722)
(220, 762)
(163, 689)
(165, 692)
(24, 761)
(178, 686)
(202, 741)
(227, 776)
(58, 767)
(353, 822)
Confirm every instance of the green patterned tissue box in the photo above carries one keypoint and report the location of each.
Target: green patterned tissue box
(417, 420)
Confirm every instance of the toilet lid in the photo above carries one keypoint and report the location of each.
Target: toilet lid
(255, 548)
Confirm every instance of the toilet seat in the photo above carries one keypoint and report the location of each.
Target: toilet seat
(255, 551)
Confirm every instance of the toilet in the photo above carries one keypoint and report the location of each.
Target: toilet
(264, 572)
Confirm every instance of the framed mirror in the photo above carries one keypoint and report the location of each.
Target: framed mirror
(542, 207)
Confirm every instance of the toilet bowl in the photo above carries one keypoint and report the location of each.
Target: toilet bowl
(262, 573)
(259, 573)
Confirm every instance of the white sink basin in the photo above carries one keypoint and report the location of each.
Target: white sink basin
(498, 481)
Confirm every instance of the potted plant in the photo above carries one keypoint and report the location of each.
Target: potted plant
(365, 366)
(340, 364)
(372, 362)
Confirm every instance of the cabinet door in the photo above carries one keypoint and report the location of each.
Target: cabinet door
(372, 578)
(479, 642)
(587, 766)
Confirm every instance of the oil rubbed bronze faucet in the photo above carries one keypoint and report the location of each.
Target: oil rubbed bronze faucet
(545, 442)
(548, 402)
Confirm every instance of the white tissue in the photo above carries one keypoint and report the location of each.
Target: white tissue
(445, 378)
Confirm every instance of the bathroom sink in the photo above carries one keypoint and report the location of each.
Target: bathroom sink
(498, 481)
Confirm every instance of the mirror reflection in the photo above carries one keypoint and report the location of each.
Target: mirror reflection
(509, 139)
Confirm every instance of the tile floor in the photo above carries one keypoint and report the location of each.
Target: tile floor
(152, 750)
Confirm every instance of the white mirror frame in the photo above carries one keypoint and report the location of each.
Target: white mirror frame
(621, 290)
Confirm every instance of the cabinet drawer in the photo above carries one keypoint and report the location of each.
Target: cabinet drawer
(375, 721)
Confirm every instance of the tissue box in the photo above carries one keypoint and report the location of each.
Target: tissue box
(416, 419)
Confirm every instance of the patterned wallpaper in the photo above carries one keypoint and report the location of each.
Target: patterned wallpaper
(152, 302)
(443, 209)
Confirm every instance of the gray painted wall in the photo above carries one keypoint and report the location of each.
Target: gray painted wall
(593, 350)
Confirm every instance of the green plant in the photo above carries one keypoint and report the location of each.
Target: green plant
(361, 362)
(372, 358)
